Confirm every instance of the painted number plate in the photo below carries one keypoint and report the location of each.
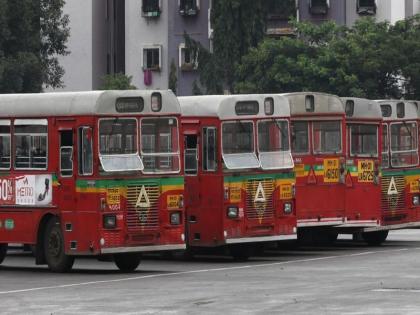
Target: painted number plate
(172, 201)
(331, 171)
(285, 191)
(365, 171)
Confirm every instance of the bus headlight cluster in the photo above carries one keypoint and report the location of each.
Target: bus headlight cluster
(175, 218)
(232, 212)
(287, 208)
(416, 200)
(109, 221)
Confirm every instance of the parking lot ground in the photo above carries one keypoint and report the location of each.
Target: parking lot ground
(348, 278)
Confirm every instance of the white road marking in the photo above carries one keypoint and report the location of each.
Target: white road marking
(203, 271)
(397, 290)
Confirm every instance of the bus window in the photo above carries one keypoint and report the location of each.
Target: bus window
(31, 144)
(364, 140)
(191, 154)
(66, 153)
(273, 144)
(5, 144)
(118, 145)
(404, 144)
(159, 145)
(326, 137)
(209, 149)
(238, 145)
(300, 137)
(85, 151)
(385, 141)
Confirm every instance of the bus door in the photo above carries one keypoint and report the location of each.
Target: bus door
(192, 184)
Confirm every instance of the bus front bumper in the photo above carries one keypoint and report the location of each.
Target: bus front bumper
(140, 249)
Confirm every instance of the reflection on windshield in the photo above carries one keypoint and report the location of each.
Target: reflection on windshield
(364, 140)
(159, 145)
(404, 144)
(118, 145)
(238, 137)
(327, 136)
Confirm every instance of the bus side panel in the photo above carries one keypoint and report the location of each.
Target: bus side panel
(19, 225)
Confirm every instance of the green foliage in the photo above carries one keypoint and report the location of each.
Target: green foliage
(117, 81)
(237, 26)
(173, 79)
(32, 34)
(368, 60)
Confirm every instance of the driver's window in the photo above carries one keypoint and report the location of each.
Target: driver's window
(66, 153)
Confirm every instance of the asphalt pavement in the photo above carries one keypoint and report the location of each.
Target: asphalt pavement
(348, 278)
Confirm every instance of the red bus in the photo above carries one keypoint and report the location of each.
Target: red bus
(363, 181)
(239, 180)
(318, 148)
(91, 174)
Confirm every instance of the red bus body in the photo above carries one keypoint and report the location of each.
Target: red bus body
(318, 148)
(92, 175)
(237, 199)
(363, 181)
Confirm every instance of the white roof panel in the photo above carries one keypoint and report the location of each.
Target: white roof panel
(410, 109)
(80, 103)
(223, 106)
(364, 108)
(324, 103)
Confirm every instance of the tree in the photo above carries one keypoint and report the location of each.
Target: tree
(363, 61)
(32, 34)
(237, 26)
(117, 81)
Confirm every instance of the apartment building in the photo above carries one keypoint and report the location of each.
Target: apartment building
(142, 38)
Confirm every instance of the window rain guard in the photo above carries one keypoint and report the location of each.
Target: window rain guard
(238, 145)
(159, 145)
(273, 144)
(118, 145)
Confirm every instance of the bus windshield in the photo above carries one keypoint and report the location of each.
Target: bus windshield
(326, 137)
(364, 140)
(159, 145)
(238, 145)
(273, 144)
(118, 145)
(404, 144)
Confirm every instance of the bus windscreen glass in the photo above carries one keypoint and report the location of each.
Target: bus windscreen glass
(118, 145)
(404, 144)
(159, 145)
(273, 144)
(238, 145)
(364, 140)
(326, 137)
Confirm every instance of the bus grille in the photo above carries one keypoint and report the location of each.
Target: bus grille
(259, 201)
(142, 207)
(395, 200)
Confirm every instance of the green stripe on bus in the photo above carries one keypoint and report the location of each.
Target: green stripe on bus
(232, 179)
(102, 183)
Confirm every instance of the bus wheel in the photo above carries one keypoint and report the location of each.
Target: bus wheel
(127, 262)
(3, 252)
(55, 255)
(375, 238)
(240, 252)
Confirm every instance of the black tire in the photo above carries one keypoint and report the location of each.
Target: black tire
(55, 255)
(127, 262)
(3, 252)
(240, 252)
(375, 238)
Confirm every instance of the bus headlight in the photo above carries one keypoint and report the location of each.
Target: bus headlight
(416, 200)
(109, 221)
(175, 218)
(287, 208)
(232, 212)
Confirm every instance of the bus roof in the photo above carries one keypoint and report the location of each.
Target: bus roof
(389, 110)
(225, 106)
(362, 108)
(322, 103)
(82, 103)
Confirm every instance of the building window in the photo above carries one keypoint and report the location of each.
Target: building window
(152, 58)
(319, 6)
(151, 8)
(281, 10)
(366, 7)
(189, 7)
(188, 60)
